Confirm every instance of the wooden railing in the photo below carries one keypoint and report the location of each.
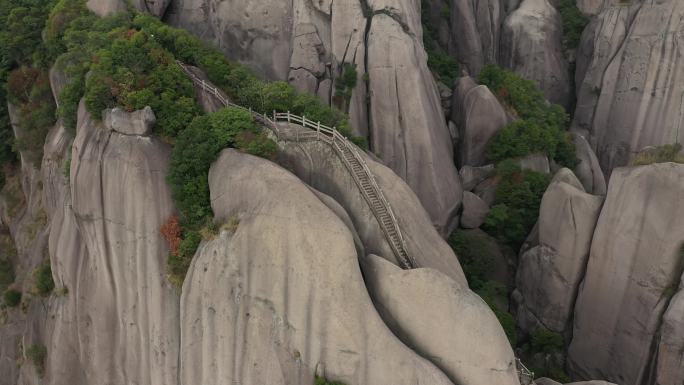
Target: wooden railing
(346, 151)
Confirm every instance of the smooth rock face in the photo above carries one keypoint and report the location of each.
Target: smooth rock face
(475, 211)
(443, 321)
(531, 46)
(551, 267)
(472, 176)
(104, 8)
(138, 122)
(636, 79)
(127, 316)
(256, 33)
(588, 170)
(634, 267)
(407, 129)
(535, 162)
(479, 116)
(311, 42)
(670, 370)
(475, 31)
(318, 165)
(277, 308)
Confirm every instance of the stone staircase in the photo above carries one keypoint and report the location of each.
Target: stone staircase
(345, 150)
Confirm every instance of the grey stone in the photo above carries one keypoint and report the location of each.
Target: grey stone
(535, 162)
(442, 320)
(630, 90)
(475, 32)
(472, 176)
(303, 80)
(475, 211)
(634, 265)
(294, 296)
(588, 170)
(531, 46)
(138, 122)
(552, 263)
(479, 116)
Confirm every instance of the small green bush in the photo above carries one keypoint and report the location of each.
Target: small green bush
(574, 22)
(475, 254)
(12, 297)
(660, 154)
(323, 381)
(517, 201)
(44, 282)
(541, 127)
(346, 82)
(546, 341)
(37, 354)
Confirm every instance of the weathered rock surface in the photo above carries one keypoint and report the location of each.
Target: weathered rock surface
(631, 89)
(310, 43)
(407, 129)
(535, 162)
(110, 254)
(588, 170)
(443, 321)
(553, 261)
(475, 32)
(475, 211)
(318, 165)
(110, 7)
(138, 122)
(278, 308)
(479, 116)
(670, 369)
(531, 46)
(255, 33)
(635, 266)
(472, 176)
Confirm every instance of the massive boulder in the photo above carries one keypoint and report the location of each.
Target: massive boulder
(479, 116)
(119, 322)
(531, 46)
(635, 266)
(552, 262)
(289, 303)
(395, 104)
(631, 80)
(317, 164)
(443, 321)
(475, 32)
(588, 170)
(408, 131)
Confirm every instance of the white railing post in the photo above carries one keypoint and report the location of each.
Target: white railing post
(318, 131)
(203, 86)
(250, 111)
(303, 121)
(288, 117)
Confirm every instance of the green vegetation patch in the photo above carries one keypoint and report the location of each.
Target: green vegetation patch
(323, 381)
(660, 154)
(574, 22)
(12, 297)
(37, 354)
(43, 279)
(516, 206)
(540, 128)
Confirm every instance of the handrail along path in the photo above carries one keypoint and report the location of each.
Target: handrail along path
(345, 150)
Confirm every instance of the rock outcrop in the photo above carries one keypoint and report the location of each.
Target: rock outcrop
(443, 321)
(475, 32)
(479, 116)
(395, 104)
(631, 80)
(317, 164)
(635, 267)
(531, 46)
(553, 261)
(286, 305)
(588, 170)
(110, 7)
